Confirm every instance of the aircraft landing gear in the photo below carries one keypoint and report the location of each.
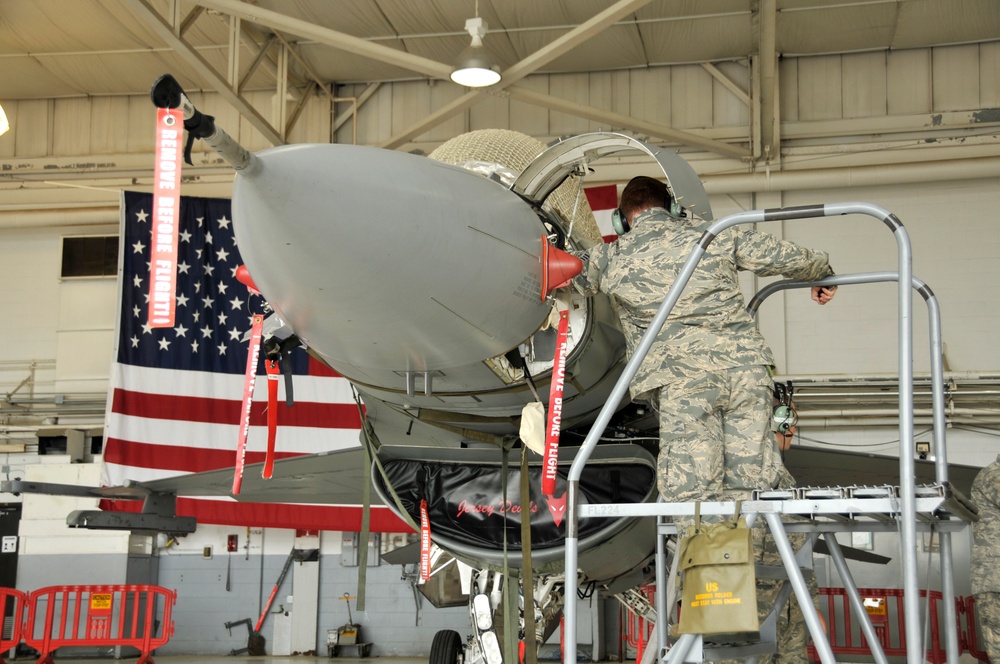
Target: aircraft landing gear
(446, 648)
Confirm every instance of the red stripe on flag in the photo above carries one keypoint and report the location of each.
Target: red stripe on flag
(603, 201)
(177, 457)
(317, 368)
(227, 411)
(602, 198)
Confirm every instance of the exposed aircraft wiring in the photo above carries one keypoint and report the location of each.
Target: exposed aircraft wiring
(522, 353)
(587, 591)
(69, 185)
(576, 205)
(632, 439)
(615, 439)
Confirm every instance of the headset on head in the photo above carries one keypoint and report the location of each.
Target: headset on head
(784, 417)
(620, 222)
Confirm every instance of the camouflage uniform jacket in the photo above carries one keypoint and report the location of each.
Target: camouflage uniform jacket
(709, 327)
(985, 570)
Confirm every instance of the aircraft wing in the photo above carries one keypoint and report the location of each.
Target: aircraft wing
(812, 466)
(334, 477)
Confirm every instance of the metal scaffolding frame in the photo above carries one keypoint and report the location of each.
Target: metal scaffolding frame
(827, 510)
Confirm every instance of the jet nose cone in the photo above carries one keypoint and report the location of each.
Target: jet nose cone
(389, 260)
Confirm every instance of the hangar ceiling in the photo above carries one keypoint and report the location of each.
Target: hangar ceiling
(59, 48)
(69, 48)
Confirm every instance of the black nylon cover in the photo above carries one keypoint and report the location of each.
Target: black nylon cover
(466, 502)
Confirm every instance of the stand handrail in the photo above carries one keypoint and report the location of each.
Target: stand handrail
(905, 361)
(937, 408)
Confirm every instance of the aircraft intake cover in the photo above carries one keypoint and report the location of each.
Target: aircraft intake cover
(467, 502)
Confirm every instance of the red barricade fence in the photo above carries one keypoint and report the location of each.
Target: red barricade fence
(637, 630)
(972, 629)
(120, 615)
(17, 601)
(884, 607)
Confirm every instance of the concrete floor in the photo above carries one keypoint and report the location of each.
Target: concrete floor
(242, 659)
(228, 659)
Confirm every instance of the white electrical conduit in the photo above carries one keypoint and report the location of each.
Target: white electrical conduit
(853, 176)
(59, 217)
(759, 181)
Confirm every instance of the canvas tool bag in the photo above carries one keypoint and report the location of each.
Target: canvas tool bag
(719, 589)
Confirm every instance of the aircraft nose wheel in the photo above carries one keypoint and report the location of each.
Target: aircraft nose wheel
(446, 648)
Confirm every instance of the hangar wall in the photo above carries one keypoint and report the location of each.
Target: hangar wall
(66, 160)
(226, 587)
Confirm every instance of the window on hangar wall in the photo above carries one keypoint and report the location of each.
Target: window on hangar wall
(90, 256)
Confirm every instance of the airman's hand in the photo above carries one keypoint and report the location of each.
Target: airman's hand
(823, 294)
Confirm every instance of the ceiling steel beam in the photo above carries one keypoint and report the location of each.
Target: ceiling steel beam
(619, 121)
(770, 118)
(166, 32)
(567, 42)
(727, 82)
(524, 68)
(339, 40)
(260, 58)
(357, 103)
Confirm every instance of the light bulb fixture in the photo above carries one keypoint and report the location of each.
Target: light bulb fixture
(4, 125)
(474, 69)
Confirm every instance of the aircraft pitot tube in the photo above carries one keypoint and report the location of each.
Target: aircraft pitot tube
(167, 93)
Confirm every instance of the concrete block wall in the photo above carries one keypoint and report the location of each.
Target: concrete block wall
(390, 619)
(205, 605)
(234, 587)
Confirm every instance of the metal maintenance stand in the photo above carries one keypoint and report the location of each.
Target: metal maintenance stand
(820, 511)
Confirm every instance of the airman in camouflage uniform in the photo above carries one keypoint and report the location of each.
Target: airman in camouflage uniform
(708, 371)
(985, 571)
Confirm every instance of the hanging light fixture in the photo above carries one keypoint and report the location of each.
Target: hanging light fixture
(474, 68)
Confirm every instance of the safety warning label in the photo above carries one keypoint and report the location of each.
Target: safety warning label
(100, 602)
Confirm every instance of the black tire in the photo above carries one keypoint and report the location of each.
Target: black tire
(446, 648)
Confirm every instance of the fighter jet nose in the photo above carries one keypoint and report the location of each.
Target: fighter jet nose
(388, 262)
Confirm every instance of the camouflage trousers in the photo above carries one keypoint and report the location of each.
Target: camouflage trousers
(988, 617)
(716, 444)
(715, 435)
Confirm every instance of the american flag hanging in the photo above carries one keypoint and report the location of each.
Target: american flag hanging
(176, 393)
(602, 201)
